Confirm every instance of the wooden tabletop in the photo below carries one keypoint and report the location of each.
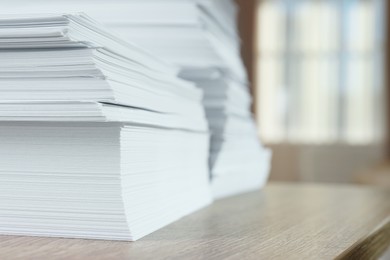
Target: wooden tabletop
(284, 221)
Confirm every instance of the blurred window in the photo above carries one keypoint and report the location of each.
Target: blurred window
(320, 71)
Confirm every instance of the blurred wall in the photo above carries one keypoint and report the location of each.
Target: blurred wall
(323, 163)
(247, 27)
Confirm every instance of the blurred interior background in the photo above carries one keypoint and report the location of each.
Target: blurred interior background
(318, 78)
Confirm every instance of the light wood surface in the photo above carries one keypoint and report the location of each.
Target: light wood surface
(284, 221)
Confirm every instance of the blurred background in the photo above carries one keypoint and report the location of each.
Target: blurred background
(318, 78)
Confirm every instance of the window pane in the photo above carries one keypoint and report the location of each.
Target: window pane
(272, 100)
(318, 104)
(360, 99)
(272, 23)
(360, 26)
(316, 26)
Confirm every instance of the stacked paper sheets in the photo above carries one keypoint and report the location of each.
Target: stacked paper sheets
(98, 138)
(238, 161)
(201, 37)
(81, 62)
(194, 34)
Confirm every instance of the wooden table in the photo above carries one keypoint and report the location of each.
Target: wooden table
(284, 221)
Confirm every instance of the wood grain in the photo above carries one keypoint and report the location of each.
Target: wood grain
(283, 221)
(371, 246)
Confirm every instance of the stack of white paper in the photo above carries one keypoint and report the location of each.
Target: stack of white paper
(200, 36)
(98, 138)
(194, 34)
(238, 161)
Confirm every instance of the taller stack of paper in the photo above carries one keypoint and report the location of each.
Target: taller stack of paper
(195, 34)
(201, 37)
(98, 138)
